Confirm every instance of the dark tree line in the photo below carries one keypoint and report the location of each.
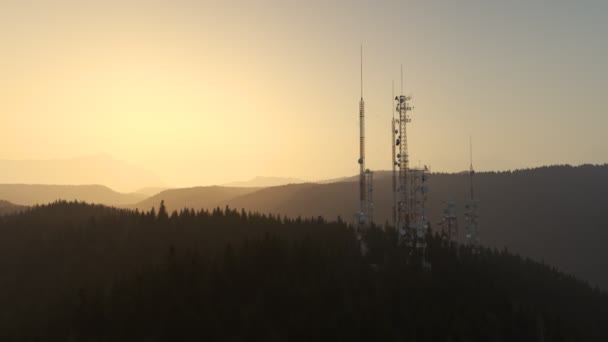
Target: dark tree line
(73, 271)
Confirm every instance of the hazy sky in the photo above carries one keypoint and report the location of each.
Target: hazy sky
(208, 92)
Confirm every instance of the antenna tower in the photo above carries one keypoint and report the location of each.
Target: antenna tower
(401, 164)
(471, 208)
(409, 185)
(395, 163)
(418, 190)
(449, 224)
(366, 210)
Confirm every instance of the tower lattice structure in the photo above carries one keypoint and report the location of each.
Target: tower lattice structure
(449, 224)
(471, 214)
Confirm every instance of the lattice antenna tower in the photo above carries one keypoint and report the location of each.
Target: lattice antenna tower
(395, 163)
(418, 190)
(449, 224)
(401, 163)
(472, 208)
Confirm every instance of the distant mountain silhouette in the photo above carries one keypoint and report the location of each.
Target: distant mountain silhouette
(150, 191)
(553, 214)
(9, 208)
(197, 197)
(98, 169)
(340, 179)
(259, 182)
(24, 194)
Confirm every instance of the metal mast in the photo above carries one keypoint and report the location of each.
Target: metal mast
(471, 208)
(400, 144)
(362, 193)
(471, 171)
(394, 131)
(410, 188)
(365, 175)
(418, 190)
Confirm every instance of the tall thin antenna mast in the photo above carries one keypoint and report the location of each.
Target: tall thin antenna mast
(471, 171)
(394, 124)
(392, 97)
(401, 79)
(471, 150)
(365, 215)
(362, 185)
(365, 175)
(472, 208)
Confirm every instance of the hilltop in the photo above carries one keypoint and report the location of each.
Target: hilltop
(9, 208)
(519, 209)
(552, 213)
(196, 197)
(259, 182)
(119, 275)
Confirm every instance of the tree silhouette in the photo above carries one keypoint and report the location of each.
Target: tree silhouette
(73, 271)
(162, 212)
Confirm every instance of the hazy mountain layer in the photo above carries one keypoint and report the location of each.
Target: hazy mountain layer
(197, 197)
(259, 182)
(9, 208)
(100, 169)
(552, 214)
(150, 191)
(41, 194)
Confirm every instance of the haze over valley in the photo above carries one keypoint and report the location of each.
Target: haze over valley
(88, 170)
(574, 222)
(387, 170)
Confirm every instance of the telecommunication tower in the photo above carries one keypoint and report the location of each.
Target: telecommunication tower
(449, 224)
(366, 210)
(418, 191)
(401, 163)
(471, 209)
(394, 131)
(409, 185)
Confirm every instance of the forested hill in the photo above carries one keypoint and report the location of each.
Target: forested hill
(555, 214)
(72, 271)
(207, 197)
(9, 208)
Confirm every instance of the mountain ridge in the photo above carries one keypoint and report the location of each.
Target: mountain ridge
(32, 194)
(264, 181)
(7, 207)
(85, 170)
(518, 209)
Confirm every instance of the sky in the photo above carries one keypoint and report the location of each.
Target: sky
(211, 92)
